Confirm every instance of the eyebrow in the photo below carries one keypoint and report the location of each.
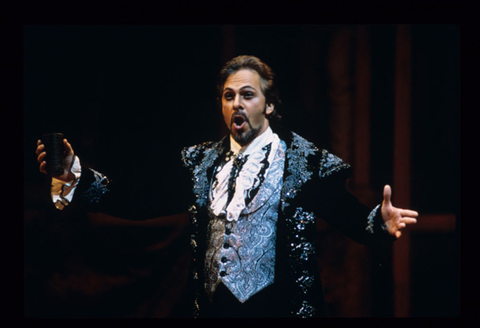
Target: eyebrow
(242, 88)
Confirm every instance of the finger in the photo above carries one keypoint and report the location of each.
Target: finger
(43, 167)
(39, 149)
(398, 234)
(402, 225)
(408, 213)
(409, 220)
(387, 195)
(41, 157)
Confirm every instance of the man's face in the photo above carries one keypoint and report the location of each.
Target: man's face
(244, 107)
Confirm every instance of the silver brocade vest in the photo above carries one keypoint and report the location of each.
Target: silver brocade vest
(241, 254)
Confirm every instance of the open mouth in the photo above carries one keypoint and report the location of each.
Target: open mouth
(239, 121)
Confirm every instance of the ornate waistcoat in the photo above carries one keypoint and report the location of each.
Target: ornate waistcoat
(241, 253)
(297, 224)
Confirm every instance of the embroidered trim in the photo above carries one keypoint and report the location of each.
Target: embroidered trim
(305, 281)
(330, 164)
(193, 242)
(302, 261)
(191, 156)
(238, 164)
(296, 156)
(97, 188)
(306, 310)
(301, 250)
(370, 221)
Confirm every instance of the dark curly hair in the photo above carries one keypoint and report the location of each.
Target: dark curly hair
(267, 80)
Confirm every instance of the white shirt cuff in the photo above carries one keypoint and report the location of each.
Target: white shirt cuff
(62, 192)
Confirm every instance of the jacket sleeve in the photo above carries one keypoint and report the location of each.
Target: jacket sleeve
(135, 200)
(343, 210)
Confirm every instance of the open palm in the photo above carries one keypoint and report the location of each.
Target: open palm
(395, 218)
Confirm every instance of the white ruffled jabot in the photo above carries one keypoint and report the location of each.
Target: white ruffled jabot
(247, 179)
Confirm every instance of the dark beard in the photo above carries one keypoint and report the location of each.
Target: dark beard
(244, 138)
(247, 137)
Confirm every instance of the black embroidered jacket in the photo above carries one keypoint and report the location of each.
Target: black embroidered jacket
(313, 187)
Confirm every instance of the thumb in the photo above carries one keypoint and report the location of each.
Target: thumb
(68, 148)
(387, 195)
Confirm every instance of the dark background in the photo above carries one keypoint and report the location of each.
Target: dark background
(130, 97)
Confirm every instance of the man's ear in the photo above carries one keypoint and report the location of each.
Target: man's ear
(269, 109)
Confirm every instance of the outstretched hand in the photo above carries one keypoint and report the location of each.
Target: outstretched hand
(395, 218)
(68, 157)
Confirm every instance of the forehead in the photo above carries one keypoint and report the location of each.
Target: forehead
(243, 78)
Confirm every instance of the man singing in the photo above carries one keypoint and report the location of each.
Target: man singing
(256, 195)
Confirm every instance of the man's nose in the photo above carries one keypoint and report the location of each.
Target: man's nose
(237, 102)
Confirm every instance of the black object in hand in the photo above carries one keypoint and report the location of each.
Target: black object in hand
(54, 147)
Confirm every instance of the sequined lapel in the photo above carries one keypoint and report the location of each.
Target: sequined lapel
(297, 169)
(200, 159)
